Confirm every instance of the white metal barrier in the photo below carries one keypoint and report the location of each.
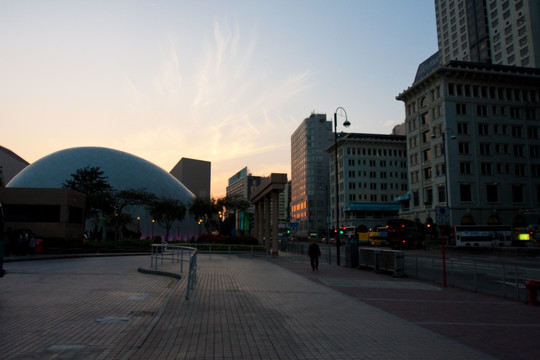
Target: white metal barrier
(379, 259)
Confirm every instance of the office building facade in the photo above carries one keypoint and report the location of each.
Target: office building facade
(504, 32)
(473, 142)
(240, 186)
(310, 176)
(372, 173)
(195, 175)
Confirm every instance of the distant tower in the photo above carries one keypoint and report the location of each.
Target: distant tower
(310, 175)
(195, 175)
(489, 31)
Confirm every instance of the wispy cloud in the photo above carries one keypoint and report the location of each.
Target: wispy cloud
(214, 103)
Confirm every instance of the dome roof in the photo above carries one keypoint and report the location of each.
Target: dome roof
(123, 171)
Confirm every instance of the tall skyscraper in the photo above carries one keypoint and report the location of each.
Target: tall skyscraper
(503, 32)
(310, 175)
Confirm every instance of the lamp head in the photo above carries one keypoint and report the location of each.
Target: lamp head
(346, 123)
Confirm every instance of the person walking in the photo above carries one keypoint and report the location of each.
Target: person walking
(314, 255)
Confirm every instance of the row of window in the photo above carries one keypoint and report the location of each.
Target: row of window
(377, 186)
(513, 112)
(493, 92)
(492, 194)
(528, 96)
(368, 151)
(373, 174)
(485, 168)
(375, 163)
(372, 197)
(483, 129)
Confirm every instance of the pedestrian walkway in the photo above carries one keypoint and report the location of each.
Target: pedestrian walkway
(243, 308)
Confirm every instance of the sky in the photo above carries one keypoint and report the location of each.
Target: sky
(221, 81)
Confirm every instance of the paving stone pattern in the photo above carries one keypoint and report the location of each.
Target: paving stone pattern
(241, 308)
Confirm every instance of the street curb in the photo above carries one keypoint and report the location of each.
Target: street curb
(162, 273)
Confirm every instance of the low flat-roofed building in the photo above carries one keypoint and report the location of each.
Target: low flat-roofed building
(47, 213)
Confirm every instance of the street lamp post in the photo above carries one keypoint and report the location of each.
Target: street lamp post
(446, 194)
(346, 124)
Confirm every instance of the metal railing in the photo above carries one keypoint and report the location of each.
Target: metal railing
(490, 277)
(498, 278)
(168, 253)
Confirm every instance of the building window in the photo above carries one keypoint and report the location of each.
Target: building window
(485, 149)
(463, 128)
(514, 113)
(516, 131)
(530, 114)
(461, 109)
(441, 193)
(519, 170)
(492, 193)
(465, 192)
(427, 173)
(464, 148)
(485, 168)
(518, 150)
(426, 155)
(424, 119)
(483, 129)
(517, 193)
(481, 110)
(464, 167)
(416, 198)
(429, 197)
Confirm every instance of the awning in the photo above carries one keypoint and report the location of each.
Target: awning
(373, 207)
(403, 197)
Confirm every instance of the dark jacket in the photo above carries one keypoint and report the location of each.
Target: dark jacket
(314, 250)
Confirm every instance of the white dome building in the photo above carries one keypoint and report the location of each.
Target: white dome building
(123, 171)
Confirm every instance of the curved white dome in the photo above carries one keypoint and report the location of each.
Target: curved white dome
(123, 171)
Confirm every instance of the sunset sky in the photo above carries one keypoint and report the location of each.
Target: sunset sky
(221, 81)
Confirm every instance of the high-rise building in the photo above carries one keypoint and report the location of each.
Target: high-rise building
(310, 175)
(372, 173)
(195, 175)
(504, 32)
(473, 142)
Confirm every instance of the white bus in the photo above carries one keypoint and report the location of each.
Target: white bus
(483, 235)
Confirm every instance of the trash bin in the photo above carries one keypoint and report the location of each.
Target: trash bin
(39, 246)
(532, 287)
(351, 253)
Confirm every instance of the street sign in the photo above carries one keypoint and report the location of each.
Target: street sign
(442, 215)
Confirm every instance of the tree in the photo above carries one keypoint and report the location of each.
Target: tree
(202, 209)
(91, 182)
(124, 198)
(166, 211)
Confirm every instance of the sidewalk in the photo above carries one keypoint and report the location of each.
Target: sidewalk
(502, 328)
(245, 308)
(250, 308)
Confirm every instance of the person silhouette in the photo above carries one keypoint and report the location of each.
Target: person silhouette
(314, 253)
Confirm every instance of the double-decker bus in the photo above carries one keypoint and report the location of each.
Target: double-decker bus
(482, 235)
(404, 234)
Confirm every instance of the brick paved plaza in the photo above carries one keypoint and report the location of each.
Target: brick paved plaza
(249, 308)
